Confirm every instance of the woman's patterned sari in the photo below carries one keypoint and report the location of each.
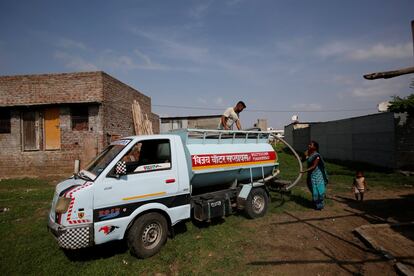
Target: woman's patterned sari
(317, 180)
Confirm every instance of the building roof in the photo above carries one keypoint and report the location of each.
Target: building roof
(42, 89)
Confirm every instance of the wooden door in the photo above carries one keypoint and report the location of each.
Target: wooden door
(30, 130)
(90, 150)
(52, 128)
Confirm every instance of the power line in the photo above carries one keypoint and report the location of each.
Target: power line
(264, 110)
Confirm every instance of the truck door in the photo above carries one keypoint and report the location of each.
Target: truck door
(151, 176)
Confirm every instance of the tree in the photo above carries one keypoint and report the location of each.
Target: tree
(401, 105)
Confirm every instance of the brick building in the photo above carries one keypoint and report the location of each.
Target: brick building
(48, 121)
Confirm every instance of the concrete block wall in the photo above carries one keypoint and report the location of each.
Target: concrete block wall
(288, 135)
(301, 138)
(383, 139)
(334, 138)
(373, 139)
(405, 141)
(204, 123)
(199, 122)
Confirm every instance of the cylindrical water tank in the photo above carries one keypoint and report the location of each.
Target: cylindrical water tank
(220, 163)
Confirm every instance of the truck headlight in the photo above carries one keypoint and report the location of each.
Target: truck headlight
(62, 205)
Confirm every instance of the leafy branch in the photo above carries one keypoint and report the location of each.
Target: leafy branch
(400, 105)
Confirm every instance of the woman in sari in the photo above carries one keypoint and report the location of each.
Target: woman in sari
(317, 178)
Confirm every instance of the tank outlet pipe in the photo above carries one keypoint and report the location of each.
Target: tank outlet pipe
(296, 181)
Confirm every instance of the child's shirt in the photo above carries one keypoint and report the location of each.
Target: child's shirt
(359, 183)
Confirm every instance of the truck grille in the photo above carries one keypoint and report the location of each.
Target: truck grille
(75, 238)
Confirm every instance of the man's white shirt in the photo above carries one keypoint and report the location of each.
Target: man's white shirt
(231, 116)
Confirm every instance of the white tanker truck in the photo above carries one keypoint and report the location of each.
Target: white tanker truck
(139, 187)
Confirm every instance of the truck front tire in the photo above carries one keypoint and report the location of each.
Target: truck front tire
(257, 203)
(147, 235)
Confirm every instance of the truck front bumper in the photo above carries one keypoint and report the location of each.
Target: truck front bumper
(73, 237)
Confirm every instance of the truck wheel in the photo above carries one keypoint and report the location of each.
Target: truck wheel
(257, 203)
(147, 235)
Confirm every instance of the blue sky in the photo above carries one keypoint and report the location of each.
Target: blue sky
(283, 57)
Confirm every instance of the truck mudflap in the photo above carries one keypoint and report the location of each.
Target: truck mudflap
(75, 237)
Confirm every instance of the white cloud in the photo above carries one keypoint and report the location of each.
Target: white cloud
(125, 62)
(105, 59)
(172, 48)
(148, 63)
(117, 62)
(146, 59)
(333, 49)
(74, 62)
(199, 56)
(341, 80)
(379, 88)
(379, 51)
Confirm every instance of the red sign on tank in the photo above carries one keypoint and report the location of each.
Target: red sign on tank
(206, 161)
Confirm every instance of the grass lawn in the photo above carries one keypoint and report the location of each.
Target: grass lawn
(27, 247)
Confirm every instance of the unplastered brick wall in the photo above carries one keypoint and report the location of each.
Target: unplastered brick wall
(51, 88)
(155, 120)
(109, 105)
(81, 145)
(10, 142)
(118, 99)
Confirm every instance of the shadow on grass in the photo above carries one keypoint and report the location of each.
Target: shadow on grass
(113, 248)
(207, 224)
(284, 197)
(328, 258)
(390, 210)
(397, 209)
(302, 201)
(101, 251)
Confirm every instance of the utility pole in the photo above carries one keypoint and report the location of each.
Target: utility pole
(394, 73)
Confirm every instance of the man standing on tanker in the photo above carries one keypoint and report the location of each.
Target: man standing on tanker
(231, 116)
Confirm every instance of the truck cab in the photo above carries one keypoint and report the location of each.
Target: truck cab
(113, 195)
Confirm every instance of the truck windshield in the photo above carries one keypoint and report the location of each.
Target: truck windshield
(106, 156)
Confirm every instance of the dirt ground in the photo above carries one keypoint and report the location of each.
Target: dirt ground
(323, 242)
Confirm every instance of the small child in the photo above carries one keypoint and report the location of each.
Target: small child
(359, 186)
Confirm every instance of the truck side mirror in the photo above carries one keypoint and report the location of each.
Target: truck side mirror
(120, 168)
